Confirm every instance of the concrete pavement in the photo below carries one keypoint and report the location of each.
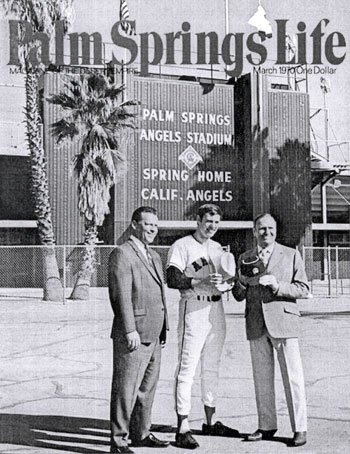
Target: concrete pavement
(56, 371)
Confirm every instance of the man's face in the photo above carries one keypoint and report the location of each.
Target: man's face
(147, 228)
(208, 225)
(265, 231)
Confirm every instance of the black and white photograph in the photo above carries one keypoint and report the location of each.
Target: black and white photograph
(174, 226)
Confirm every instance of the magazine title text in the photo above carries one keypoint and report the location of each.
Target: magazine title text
(200, 48)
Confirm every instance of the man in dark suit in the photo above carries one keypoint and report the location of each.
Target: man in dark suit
(136, 291)
(271, 277)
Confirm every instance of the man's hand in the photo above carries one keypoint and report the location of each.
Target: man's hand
(212, 280)
(268, 280)
(215, 279)
(224, 286)
(133, 340)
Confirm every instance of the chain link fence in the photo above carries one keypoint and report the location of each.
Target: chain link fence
(22, 267)
(328, 270)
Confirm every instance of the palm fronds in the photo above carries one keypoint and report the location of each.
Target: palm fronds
(92, 108)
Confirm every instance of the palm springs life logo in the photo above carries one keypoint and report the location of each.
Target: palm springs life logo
(153, 49)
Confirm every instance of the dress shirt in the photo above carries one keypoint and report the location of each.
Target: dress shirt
(265, 253)
(141, 246)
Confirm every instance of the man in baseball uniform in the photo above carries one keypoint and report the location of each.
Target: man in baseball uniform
(202, 327)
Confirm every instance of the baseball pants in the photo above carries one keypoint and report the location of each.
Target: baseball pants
(201, 336)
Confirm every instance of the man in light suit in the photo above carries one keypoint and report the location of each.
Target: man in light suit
(136, 291)
(274, 278)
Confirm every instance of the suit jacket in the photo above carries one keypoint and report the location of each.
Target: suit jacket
(277, 312)
(136, 291)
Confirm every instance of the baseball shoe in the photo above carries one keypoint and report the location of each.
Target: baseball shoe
(219, 430)
(186, 441)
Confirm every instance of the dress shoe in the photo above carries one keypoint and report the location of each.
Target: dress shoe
(299, 439)
(219, 430)
(261, 435)
(121, 450)
(186, 441)
(151, 442)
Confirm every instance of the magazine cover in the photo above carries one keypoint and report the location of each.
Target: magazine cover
(174, 226)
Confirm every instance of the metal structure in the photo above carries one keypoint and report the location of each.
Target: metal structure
(272, 134)
(330, 165)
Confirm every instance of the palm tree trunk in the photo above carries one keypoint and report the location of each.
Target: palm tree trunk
(81, 290)
(53, 290)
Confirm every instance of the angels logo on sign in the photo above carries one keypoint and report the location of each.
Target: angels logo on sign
(190, 157)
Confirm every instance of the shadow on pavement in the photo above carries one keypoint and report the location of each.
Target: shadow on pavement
(169, 429)
(66, 433)
(161, 428)
(55, 432)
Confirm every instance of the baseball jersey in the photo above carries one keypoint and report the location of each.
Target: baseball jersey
(193, 259)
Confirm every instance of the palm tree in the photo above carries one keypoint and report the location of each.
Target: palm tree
(94, 113)
(42, 15)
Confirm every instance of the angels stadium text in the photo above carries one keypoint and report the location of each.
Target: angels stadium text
(186, 117)
(208, 138)
(152, 49)
(193, 195)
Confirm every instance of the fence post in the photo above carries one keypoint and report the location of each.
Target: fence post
(64, 274)
(303, 256)
(336, 269)
(329, 271)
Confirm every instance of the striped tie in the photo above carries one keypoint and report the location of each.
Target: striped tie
(149, 256)
(264, 256)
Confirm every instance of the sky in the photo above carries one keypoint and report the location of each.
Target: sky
(164, 16)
